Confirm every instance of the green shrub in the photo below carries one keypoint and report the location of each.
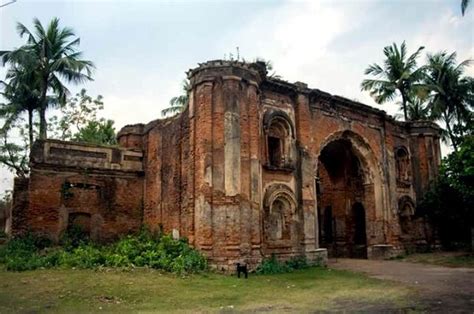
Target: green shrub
(273, 266)
(74, 237)
(142, 250)
(22, 253)
(298, 262)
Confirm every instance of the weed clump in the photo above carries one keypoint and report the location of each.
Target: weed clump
(142, 250)
(273, 266)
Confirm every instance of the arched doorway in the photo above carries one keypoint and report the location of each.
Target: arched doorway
(344, 189)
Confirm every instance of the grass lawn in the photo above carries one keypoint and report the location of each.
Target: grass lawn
(151, 291)
(449, 259)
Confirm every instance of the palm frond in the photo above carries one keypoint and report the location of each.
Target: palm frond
(464, 5)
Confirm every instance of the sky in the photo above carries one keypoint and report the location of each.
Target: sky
(142, 49)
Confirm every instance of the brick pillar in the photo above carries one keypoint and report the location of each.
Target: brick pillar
(425, 152)
(225, 134)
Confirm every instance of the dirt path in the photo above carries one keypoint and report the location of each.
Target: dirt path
(441, 288)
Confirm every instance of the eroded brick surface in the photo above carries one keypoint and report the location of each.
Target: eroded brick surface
(254, 166)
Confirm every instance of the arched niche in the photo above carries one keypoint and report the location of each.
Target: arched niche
(406, 213)
(279, 217)
(403, 167)
(279, 140)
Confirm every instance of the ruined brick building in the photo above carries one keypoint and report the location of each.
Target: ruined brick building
(254, 166)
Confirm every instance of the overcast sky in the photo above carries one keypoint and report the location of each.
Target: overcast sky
(142, 48)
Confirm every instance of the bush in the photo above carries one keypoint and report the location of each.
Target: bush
(273, 266)
(22, 254)
(449, 202)
(73, 238)
(142, 250)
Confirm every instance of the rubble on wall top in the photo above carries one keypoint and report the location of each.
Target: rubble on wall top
(257, 66)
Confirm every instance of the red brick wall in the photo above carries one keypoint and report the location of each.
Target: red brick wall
(204, 174)
(113, 202)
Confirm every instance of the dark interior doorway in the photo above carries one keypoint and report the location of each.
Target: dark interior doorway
(359, 247)
(340, 194)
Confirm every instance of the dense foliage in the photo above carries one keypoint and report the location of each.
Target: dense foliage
(273, 266)
(450, 201)
(142, 250)
(78, 121)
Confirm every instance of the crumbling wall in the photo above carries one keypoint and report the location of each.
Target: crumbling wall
(19, 211)
(166, 165)
(102, 186)
(237, 173)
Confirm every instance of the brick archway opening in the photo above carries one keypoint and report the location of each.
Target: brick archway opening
(343, 189)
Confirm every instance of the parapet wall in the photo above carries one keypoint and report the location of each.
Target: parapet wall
(55, 153)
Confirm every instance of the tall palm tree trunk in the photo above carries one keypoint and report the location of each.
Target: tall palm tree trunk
(43, 124)
(404, 105)
(450, 132)
(42, 110)
(459, 120)
(30, 126)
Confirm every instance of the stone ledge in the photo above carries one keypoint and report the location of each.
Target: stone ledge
(382, 251)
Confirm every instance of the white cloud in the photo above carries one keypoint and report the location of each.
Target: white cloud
(329, 44)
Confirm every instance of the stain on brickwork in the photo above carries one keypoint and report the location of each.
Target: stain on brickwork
(254, 166)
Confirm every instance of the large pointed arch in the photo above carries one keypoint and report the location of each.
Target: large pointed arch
(351, 173)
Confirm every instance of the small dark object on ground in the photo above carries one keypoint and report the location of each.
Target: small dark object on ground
(242, 269)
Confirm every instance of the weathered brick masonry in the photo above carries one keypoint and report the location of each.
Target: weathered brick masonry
(254, 166)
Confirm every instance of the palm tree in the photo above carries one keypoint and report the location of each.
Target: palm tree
(57, 59)
(417, 110)
(21, 90)
(464, 5)
(399, 73)
(452, 98)
(178, 103)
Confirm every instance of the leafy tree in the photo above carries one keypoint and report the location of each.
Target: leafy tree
(464, 5)
(399, 74)
(78, 121)
(56, 59)
(178, 103)
(75, 115)
(100, 132)
(450, 200)
(452, 97)
(5, 205)
(14, 155)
